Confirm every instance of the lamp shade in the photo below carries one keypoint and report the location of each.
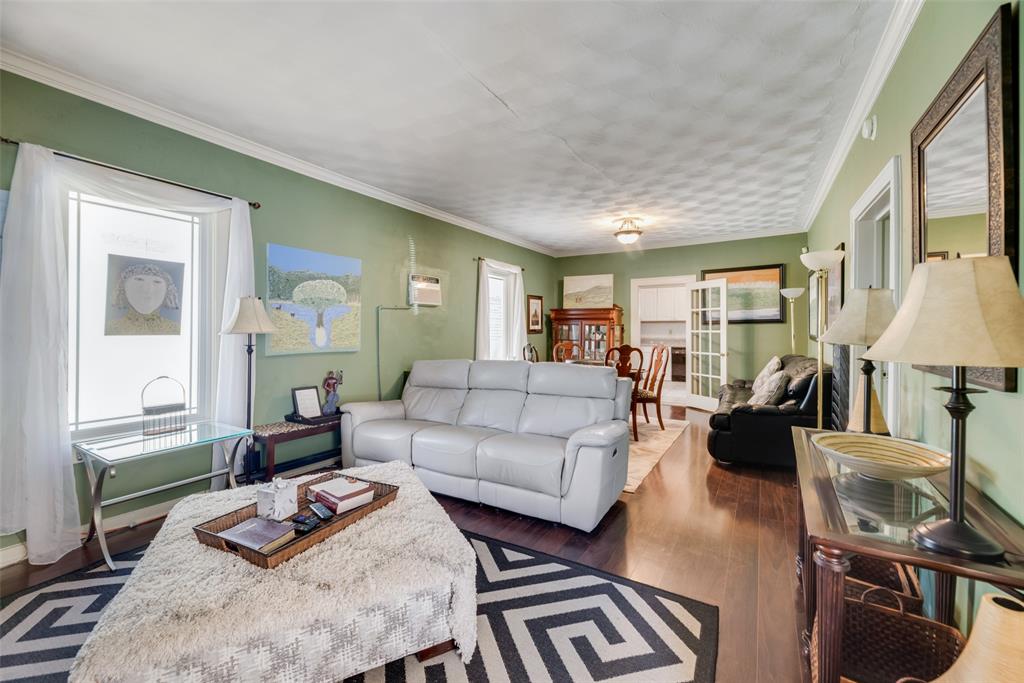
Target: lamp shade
(250, 317)
(964, 312)
(791, 292)
(822, 260)
(863, 319)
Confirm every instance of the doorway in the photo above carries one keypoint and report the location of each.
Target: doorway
(876, 247)
(658, 313)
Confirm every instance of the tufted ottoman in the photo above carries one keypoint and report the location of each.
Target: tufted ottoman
(397, 582)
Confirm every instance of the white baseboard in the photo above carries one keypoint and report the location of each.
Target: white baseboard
(13, 554)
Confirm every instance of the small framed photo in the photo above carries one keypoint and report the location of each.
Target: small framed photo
(534, 314)
(306, 401)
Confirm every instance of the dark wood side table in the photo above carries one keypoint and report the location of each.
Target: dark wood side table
(844, 514)
(269, 435)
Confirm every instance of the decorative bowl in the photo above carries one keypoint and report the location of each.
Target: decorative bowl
(882, 457)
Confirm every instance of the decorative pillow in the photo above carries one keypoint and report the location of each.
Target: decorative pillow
(772, 390)
(773, 366)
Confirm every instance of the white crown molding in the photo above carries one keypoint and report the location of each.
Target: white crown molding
(90, 90)
(711, 239)
(901, 21)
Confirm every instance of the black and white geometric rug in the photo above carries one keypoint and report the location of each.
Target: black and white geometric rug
(540, 618)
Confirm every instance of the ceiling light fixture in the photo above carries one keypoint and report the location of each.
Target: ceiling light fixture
(629, 232)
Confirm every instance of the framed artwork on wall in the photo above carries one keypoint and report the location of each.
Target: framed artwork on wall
(836, 285)
(313, 300)
(753, 292)
(143, 296)
(587, 291)
(534, 314)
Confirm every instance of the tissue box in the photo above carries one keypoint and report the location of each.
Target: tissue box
(277, 500)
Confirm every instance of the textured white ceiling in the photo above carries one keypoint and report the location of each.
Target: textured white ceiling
(956, 163)
(714, 120)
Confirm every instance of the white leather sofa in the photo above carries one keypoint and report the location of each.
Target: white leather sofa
(548, 440)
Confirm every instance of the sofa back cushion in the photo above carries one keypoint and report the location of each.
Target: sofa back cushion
(563, 397)
(497, 391)
(436, 390)
(801, 371)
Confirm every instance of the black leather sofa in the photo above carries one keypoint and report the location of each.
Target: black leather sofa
(761, 435)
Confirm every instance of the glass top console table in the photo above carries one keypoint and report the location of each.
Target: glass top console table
(843, 514)
(101, 456)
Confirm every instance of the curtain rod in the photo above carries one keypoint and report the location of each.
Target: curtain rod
(482, 258)
(254, 205)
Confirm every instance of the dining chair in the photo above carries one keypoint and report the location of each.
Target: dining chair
(653, 381)
(622, 359)
(565, 351)
(530, 353)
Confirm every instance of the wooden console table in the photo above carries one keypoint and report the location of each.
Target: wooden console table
(843, 514)
(269, 435)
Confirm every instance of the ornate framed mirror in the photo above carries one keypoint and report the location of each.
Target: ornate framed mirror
(964, 170)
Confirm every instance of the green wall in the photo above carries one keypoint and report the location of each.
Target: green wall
(942, 35)
(750, 345)
(297, 211)
(958, 234)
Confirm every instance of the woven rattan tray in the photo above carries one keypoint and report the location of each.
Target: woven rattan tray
(207, 532)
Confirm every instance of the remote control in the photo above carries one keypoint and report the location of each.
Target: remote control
(320, 510)
(304, 528)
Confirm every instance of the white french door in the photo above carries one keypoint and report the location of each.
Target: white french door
(707, 345)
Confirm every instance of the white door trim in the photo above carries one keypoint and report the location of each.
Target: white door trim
(886, 185)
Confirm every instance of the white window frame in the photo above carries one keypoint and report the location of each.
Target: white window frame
(506, 285)
(207, 292)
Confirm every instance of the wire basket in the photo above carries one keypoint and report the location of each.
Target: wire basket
(163, 417)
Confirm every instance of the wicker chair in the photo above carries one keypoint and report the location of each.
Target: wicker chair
(652, 382)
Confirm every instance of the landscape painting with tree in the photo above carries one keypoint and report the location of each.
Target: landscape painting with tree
(313, 300)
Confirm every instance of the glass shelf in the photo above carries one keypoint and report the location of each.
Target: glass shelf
(130, 445)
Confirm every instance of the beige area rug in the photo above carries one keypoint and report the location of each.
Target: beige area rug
(645, 454)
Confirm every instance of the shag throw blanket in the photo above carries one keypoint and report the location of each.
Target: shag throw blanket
(395, 582)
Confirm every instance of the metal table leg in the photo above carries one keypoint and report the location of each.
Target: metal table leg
(232, 484)
(96, 480)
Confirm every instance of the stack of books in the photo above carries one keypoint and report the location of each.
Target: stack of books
(341, 494)
(264, 535)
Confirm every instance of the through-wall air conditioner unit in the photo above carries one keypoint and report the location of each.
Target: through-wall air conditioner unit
(424, 290)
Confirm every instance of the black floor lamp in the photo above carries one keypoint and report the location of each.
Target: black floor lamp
(250, 318)
(961, 313)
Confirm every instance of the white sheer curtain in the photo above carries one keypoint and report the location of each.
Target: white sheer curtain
(507, 342)
(37, 491)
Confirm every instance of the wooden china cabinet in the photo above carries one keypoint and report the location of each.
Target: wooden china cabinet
(595, 329)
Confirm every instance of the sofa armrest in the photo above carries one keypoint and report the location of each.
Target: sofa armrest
(602, 435)
(354, 414)
(374, 410)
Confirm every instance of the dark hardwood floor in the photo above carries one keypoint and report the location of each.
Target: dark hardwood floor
(726, 536)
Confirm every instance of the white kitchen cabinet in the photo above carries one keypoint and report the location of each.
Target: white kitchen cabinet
(680, 304)
(648, 300)
(665, 295)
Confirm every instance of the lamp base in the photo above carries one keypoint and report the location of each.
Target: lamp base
(950, 537)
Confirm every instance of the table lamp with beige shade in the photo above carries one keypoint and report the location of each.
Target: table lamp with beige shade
(821, 262)
(861, 322)
(961, 313)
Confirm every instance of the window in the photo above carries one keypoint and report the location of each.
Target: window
(498, 322)
(140, 300)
